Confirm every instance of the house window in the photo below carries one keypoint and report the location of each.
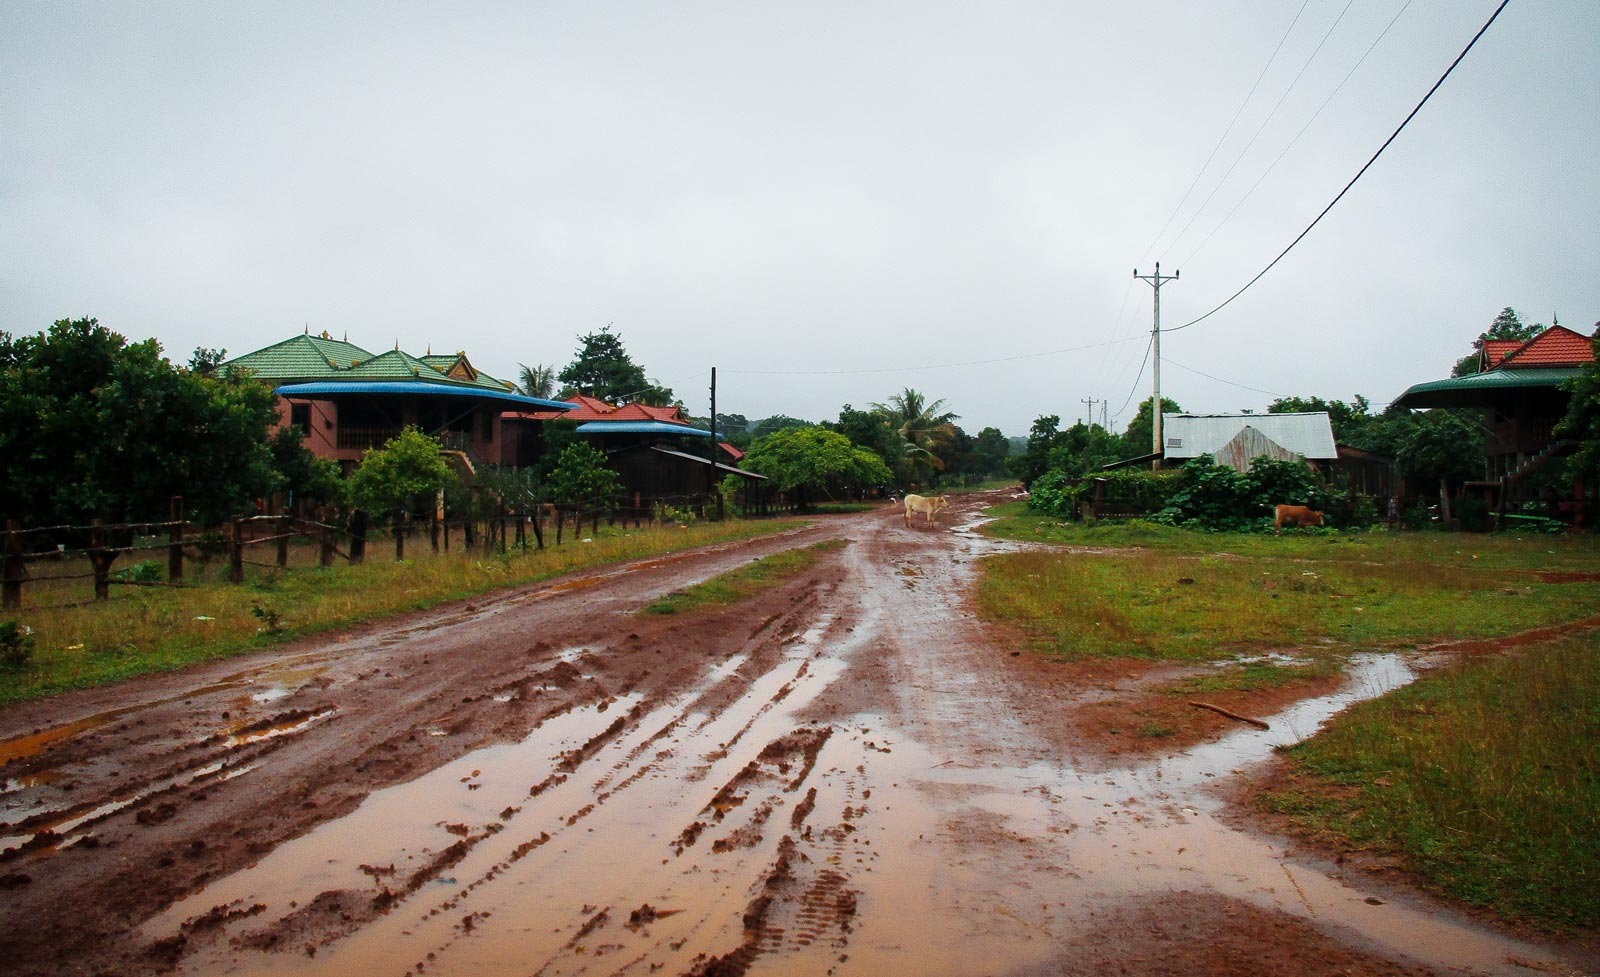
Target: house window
(300, 417)
(1174, 442)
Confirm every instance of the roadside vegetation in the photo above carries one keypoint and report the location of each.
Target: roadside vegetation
(158, 629)
(1480, 776)
(747, 581)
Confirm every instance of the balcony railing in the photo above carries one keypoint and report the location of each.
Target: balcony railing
(365, 438)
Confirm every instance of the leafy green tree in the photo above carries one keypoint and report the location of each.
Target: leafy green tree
(1042, 439)
(1136, 436)
(1438, 445)
(812, 460)
(777, 422)
(94, 427)
(924, 429)
(399, 475)
(1350, 421)
(581, 477)
(205, 361)
(1084, 448)
(866, 428)
(537, 381)
(303, 474)
(602, 368)
(1581, 424)
(1506, 325)
(989, 452)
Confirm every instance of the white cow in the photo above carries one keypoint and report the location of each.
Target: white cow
(929, 506)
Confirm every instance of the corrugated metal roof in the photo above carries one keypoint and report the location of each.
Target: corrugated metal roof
(720, 465)
(639, 427)
(1469, 390)
(1309, 434)
(423, 388)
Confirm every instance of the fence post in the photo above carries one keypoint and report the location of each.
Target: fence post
(559, 521)
(281, 525)
(325, 546)
(175, 540)
(399, 537)
(502, 518)
(97, 559)
(14, 567)
(236, 552)
(358, 536)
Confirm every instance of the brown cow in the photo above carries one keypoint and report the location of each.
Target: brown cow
(1295, 515)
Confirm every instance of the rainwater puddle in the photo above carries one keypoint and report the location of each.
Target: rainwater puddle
(288, 728)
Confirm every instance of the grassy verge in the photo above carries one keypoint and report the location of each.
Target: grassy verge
(158, 629)
(1145, 603)
(736, 585)
(1482, 777)
(1505, 551)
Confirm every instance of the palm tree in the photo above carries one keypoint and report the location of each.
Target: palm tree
(538, 381)
(923, 428)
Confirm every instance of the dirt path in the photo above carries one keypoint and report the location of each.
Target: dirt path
(845, 775)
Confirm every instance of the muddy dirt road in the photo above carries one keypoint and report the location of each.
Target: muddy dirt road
(845, 775)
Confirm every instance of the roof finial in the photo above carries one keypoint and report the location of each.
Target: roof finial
(430, 350)
(308, 329)
(397, 345)
(347, 335)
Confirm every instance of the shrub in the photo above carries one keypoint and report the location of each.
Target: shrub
(16, 646)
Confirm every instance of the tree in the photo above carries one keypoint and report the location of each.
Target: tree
(1506, 326)
(809, 460)
(1350, 421)
(538, 381)
(989, 452)
(581, 476)
(1084, 448)
(777, 422)
(302, 474)
(1581, 424)
(602, 368)
(1035, 460)
(205, 361)
(93, 427)
(923, 428)
(1136, 438)
(400, 474)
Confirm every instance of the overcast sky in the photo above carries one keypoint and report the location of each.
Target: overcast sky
(827, 201)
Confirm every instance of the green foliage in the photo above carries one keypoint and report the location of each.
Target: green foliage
(924, 432)
(581, 477)
(400, 474)
(16, 646)
(1506, 325)
(537, 381)
(989, 452)
(147, 571)
(303, 474)
(1136, 437)
(813, 459)
(602, 368)
(777, 422)
(1035, 459)
(1349, 421)
(91, 426)
(1581, 424)
(1215, 497)
(1083, 449)
(1480, 775)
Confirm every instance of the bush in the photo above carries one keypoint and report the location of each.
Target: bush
(16, 646)
(1055, 493)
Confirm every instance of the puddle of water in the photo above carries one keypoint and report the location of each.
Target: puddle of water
(280, 729)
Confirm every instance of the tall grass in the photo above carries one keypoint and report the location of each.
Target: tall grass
(155, 629)
(1148, 603)
(1484, 776)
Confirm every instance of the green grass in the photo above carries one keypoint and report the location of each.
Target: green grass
(1484, 777)
(1501, 551)
(736, 585)
(1254, 676)
(143, 630)
(1150, 604)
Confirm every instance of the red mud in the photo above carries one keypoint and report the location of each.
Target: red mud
(848, 773)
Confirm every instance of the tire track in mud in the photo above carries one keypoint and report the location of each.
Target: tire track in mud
(734, 731)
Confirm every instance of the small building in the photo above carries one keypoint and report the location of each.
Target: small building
(347, 400)
(1236, 440)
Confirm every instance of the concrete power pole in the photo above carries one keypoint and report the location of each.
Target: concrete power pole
(1155, 404)
(1091, 402)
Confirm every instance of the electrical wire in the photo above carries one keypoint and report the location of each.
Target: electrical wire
(1392, 136)
(1336, 89)
(930, 366)
(1172, 362)
(1142, 364)
(1225, 132)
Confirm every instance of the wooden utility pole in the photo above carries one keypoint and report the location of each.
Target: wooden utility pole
(1155, 341)
(711, 472)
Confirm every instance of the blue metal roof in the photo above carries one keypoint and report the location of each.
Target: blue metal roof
(639, 427)
(313, 391)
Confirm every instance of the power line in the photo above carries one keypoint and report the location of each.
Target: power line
(1241, 386)
(1226, 132)
(1481, 31)
(1136, 379)
(1314, 116)
(1264, 122)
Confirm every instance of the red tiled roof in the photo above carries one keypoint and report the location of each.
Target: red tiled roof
(593, 409)
(1556, 346)
(1496, 350)
(731, 451)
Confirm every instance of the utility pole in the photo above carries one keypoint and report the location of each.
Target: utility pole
(711, 472)
(1155, 333)
(1091, 402)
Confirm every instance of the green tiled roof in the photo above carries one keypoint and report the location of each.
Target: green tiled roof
(311, 358)
(1474, 388)
(301, 357)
